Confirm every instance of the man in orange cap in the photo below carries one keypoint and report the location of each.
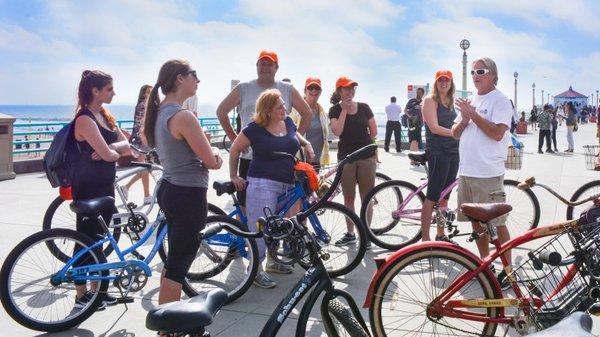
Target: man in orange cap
(245, 95)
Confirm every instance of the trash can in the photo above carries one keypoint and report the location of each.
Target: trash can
(6, 147)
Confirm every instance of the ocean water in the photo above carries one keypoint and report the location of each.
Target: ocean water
(61, 113)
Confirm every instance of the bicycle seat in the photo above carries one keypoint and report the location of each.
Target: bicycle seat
(578, 324)
(418, 156)
(485, 212)
(92, 206)
(224, 187)
(186, 316)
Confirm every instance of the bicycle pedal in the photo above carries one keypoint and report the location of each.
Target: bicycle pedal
(131, 205)
(125, 299)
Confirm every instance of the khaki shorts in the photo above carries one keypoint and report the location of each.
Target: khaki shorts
(481, 190)
(362, 172)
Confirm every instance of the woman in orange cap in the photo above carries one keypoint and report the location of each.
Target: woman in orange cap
(318, 132)
(441, 148)
(355, 124)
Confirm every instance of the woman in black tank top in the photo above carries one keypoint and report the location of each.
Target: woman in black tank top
(99, 143)
(441, 148)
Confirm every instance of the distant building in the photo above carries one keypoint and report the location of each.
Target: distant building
(571, 95)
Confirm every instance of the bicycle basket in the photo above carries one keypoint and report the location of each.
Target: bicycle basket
(514, 159)
(556, 289)
(591, 155)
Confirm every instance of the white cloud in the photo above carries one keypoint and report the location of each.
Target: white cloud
(14, 39)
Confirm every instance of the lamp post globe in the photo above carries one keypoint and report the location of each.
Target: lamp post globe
(465, 44)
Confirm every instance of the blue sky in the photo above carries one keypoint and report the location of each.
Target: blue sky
(384, 45)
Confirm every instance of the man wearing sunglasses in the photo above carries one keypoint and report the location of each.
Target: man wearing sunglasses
(481, 128)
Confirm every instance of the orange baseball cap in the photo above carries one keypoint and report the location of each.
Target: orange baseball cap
(312, 80)
(269, 55)
(443, 73)
(345, 82)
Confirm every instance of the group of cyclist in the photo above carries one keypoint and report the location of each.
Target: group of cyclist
(275, 118)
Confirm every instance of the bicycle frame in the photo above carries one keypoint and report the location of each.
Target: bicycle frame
(401, 212)
(443, 306)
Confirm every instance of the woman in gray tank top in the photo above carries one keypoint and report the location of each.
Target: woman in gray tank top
(186, 155)
(441, 148)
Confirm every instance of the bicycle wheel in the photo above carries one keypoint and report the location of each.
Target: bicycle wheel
(224, 261)
(587, 190)
(59, 215)
(347, 324)
(396, 214)
(403, 297)
(330, 222)
(215, 210)
(339, 197)
(381, 178)
(525, 214)
(25, 286)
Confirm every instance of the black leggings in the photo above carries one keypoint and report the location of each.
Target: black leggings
(185, 209)
(443, 169)
(88, 223)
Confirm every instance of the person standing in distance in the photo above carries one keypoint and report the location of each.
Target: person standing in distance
(483, 147)
(393, 125)
(245, 96)
(415, 120)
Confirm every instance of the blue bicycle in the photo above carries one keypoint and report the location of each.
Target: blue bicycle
(329, 223)
(38, 277)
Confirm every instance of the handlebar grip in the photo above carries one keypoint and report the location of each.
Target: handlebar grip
(550, 258)
(527, 183)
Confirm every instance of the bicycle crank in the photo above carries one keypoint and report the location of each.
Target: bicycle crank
(131, 280)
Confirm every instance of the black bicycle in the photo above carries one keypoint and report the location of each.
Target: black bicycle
(190, 317)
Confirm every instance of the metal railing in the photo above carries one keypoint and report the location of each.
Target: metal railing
(27, 142)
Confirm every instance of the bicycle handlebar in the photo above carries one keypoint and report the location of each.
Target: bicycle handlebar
(530, 182)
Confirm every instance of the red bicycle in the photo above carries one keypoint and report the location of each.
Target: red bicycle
(437, 288)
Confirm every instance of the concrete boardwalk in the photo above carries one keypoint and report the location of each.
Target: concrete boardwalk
(23, 202)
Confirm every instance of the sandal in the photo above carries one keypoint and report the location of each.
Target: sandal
(445, 238)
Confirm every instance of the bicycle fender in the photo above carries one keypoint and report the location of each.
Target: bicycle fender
(386, 261)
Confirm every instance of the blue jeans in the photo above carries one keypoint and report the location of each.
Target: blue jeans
(261, 193)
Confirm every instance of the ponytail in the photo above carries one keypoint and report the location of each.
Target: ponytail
(150, 115)
(111, 121)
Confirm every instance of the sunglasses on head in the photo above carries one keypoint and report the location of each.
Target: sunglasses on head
(313, 88)
(479, 71)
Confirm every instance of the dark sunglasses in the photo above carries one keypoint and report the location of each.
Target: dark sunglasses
(313, 87)
(193, 73)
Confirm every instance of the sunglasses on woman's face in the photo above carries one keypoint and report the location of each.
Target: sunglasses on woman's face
(479, 71)
(313, 88)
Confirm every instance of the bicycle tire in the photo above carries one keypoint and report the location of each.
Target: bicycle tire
(381, 178)
(593, 187)
(346, 319)
(413, 258)
(517, 221)
(7, 292)
(378, 234)
(69, 223)
(338, 196)
(215, 210)
(230, 255)
(331, 248)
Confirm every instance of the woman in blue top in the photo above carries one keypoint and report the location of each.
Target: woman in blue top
(269, 175)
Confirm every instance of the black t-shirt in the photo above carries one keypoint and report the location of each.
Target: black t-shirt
(356, 133)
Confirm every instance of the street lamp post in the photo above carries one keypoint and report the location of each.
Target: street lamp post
(516, 74)
(548, 98)
(542, 98)
(533, 92)
(464, 45)
(597, 99)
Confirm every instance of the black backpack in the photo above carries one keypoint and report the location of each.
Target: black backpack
(59, 161)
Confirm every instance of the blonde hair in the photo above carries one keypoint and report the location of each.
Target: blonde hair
(436, 95)
(491, 65)
(265, 104)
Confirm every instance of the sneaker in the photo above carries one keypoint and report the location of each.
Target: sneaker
(368, 245)
(279, 268)
(147, 200)
(540, 151)
(263, 280)
(110, 300)
(549, 151)
(445, 238)
(503, 280)
(81, 302)
(347, 239)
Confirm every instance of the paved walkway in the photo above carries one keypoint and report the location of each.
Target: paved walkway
(23, 202)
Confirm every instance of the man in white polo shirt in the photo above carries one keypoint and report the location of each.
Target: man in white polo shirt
(481, 128)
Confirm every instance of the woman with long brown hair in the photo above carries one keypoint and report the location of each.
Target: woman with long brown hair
(99, 142)
(441, 148)
(186, 157)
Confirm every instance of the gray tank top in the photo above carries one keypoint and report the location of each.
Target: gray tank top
(181, 165)
(249, 92)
